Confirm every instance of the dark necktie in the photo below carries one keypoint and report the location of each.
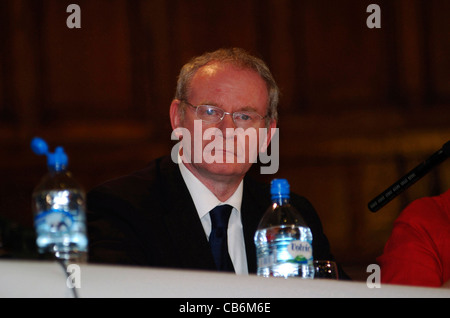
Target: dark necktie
(218, 237)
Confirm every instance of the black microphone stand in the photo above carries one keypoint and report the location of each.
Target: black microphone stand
(410, 178)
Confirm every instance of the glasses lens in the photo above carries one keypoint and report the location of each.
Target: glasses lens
(246, 119)
(213, 114)
(210, 114)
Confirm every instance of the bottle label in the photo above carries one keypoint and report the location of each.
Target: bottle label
(54, 221)
(300, 251)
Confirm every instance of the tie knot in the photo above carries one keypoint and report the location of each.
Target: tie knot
(220, 216)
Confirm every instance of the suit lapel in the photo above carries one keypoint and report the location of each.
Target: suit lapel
(184, 226)
(254, 204)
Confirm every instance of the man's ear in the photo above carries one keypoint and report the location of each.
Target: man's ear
(175, 113)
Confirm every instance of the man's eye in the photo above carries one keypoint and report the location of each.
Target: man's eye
(210, 111)
(245, 117)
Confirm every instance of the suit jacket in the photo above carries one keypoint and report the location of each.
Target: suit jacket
(148, 218)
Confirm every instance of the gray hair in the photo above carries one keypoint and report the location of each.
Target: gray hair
(239, 58)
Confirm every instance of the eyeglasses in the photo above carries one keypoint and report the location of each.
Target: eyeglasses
(213, 115)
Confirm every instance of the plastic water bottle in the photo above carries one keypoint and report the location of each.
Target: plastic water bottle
(283, 240)
(58, 204)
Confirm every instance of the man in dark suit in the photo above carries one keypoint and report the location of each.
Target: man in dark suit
(161, 215)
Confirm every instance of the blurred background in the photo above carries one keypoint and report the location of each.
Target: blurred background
(360, 107)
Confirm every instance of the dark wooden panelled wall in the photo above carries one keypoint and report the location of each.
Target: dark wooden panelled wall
(360, 106)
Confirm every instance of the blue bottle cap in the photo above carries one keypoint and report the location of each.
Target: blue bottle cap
(56, 161)
(280, 187)
(39, 146)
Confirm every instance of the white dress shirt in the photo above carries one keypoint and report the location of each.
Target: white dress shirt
(205, 201)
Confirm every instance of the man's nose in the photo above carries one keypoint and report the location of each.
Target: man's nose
(227, 122)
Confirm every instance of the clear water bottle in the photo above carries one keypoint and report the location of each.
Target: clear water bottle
(283, 240)
(58, 204)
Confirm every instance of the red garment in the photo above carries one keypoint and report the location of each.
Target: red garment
(418, 251)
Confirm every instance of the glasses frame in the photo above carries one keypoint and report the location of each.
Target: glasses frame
(224, 113)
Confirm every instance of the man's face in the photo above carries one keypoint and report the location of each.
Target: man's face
(231, 89)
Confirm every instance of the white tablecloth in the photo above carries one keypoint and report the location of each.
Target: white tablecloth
(48, 279)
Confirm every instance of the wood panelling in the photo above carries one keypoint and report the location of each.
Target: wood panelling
(88, 70)
(359, 107)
